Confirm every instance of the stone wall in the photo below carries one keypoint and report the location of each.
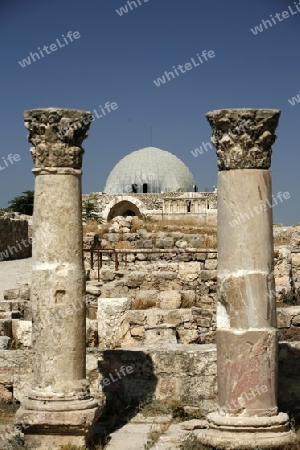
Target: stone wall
(168, 205)
(188, 374)
(14, 239)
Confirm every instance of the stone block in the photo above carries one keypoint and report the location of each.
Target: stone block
(163, 275)
(283, 318)
(212, 256)
(5, 306)
(91, 333)
(107, 274)
(135, 317)
(208, 275)
(145, 298)
(11, 294)
(5, 327)
(188, 298)
(137, 331)
(296, 321)
(201, 256)
(289, 334)
(135, 279)
(296, 260)
(169, 299)
(112, 321)
(22, 333)
(141, 257)
(165, 242)
(95, 289)
(92, 309)
(160, 334)
(188, 271)
(4, 342)
(211, 264)
(191, 390)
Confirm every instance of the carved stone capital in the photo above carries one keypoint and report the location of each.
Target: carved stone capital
(243, 137)
(57, 135)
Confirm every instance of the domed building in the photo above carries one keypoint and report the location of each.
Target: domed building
(153, 183)
(150, 170)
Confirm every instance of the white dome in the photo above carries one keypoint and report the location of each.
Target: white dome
(150, 170)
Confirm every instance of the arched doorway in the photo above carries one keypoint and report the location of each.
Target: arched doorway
(123, 208)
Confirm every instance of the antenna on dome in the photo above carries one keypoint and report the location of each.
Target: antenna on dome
(150, 135)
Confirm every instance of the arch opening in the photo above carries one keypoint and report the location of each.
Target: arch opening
(123, 208)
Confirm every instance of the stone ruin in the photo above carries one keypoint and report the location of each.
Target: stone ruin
(153, 318)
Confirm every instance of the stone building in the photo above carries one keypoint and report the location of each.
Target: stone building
(153, 183)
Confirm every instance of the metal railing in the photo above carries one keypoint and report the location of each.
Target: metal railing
(96, 254)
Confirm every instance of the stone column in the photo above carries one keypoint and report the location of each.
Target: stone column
(246, 310)
(59, 408)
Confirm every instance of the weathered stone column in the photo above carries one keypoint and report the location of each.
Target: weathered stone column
(246, 309)
(59, 408)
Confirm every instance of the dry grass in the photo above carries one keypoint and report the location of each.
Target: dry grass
(282, 240)
(186, 225)
(91, 446)
(140, 303)
(7, 410)
(175, 408)
(154, 434)
(104, 229)
(120, 245)
(210, 241)
(91, 226)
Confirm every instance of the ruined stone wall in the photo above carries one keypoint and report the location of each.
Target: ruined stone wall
(14, 239)
(188, 374)
(157, 206)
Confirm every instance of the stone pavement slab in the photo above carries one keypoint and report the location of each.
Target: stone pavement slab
(130, 437)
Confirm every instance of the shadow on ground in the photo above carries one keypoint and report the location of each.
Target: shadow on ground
(128, 381)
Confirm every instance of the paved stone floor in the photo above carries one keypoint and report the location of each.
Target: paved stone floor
(14, 272)
(129, 437)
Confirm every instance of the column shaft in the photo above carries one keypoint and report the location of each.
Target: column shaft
(58, 409)
(246, 310)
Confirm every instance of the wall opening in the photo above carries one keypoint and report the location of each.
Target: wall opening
(123, 208)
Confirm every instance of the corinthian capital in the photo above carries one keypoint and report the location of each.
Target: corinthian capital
(57, 135)
(243, 137)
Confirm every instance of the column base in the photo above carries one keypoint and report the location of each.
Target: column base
(238, 432)
(51, 424)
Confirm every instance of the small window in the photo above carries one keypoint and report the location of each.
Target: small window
(145, 188)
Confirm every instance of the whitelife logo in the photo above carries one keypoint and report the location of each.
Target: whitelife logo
(124, 9)
(109, 106)
(243, 217)
(188, 66)
(294, 100)
(53, 47)
(284, 15)
(11, 158)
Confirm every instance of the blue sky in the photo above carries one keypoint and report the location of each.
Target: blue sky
(117, 58)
